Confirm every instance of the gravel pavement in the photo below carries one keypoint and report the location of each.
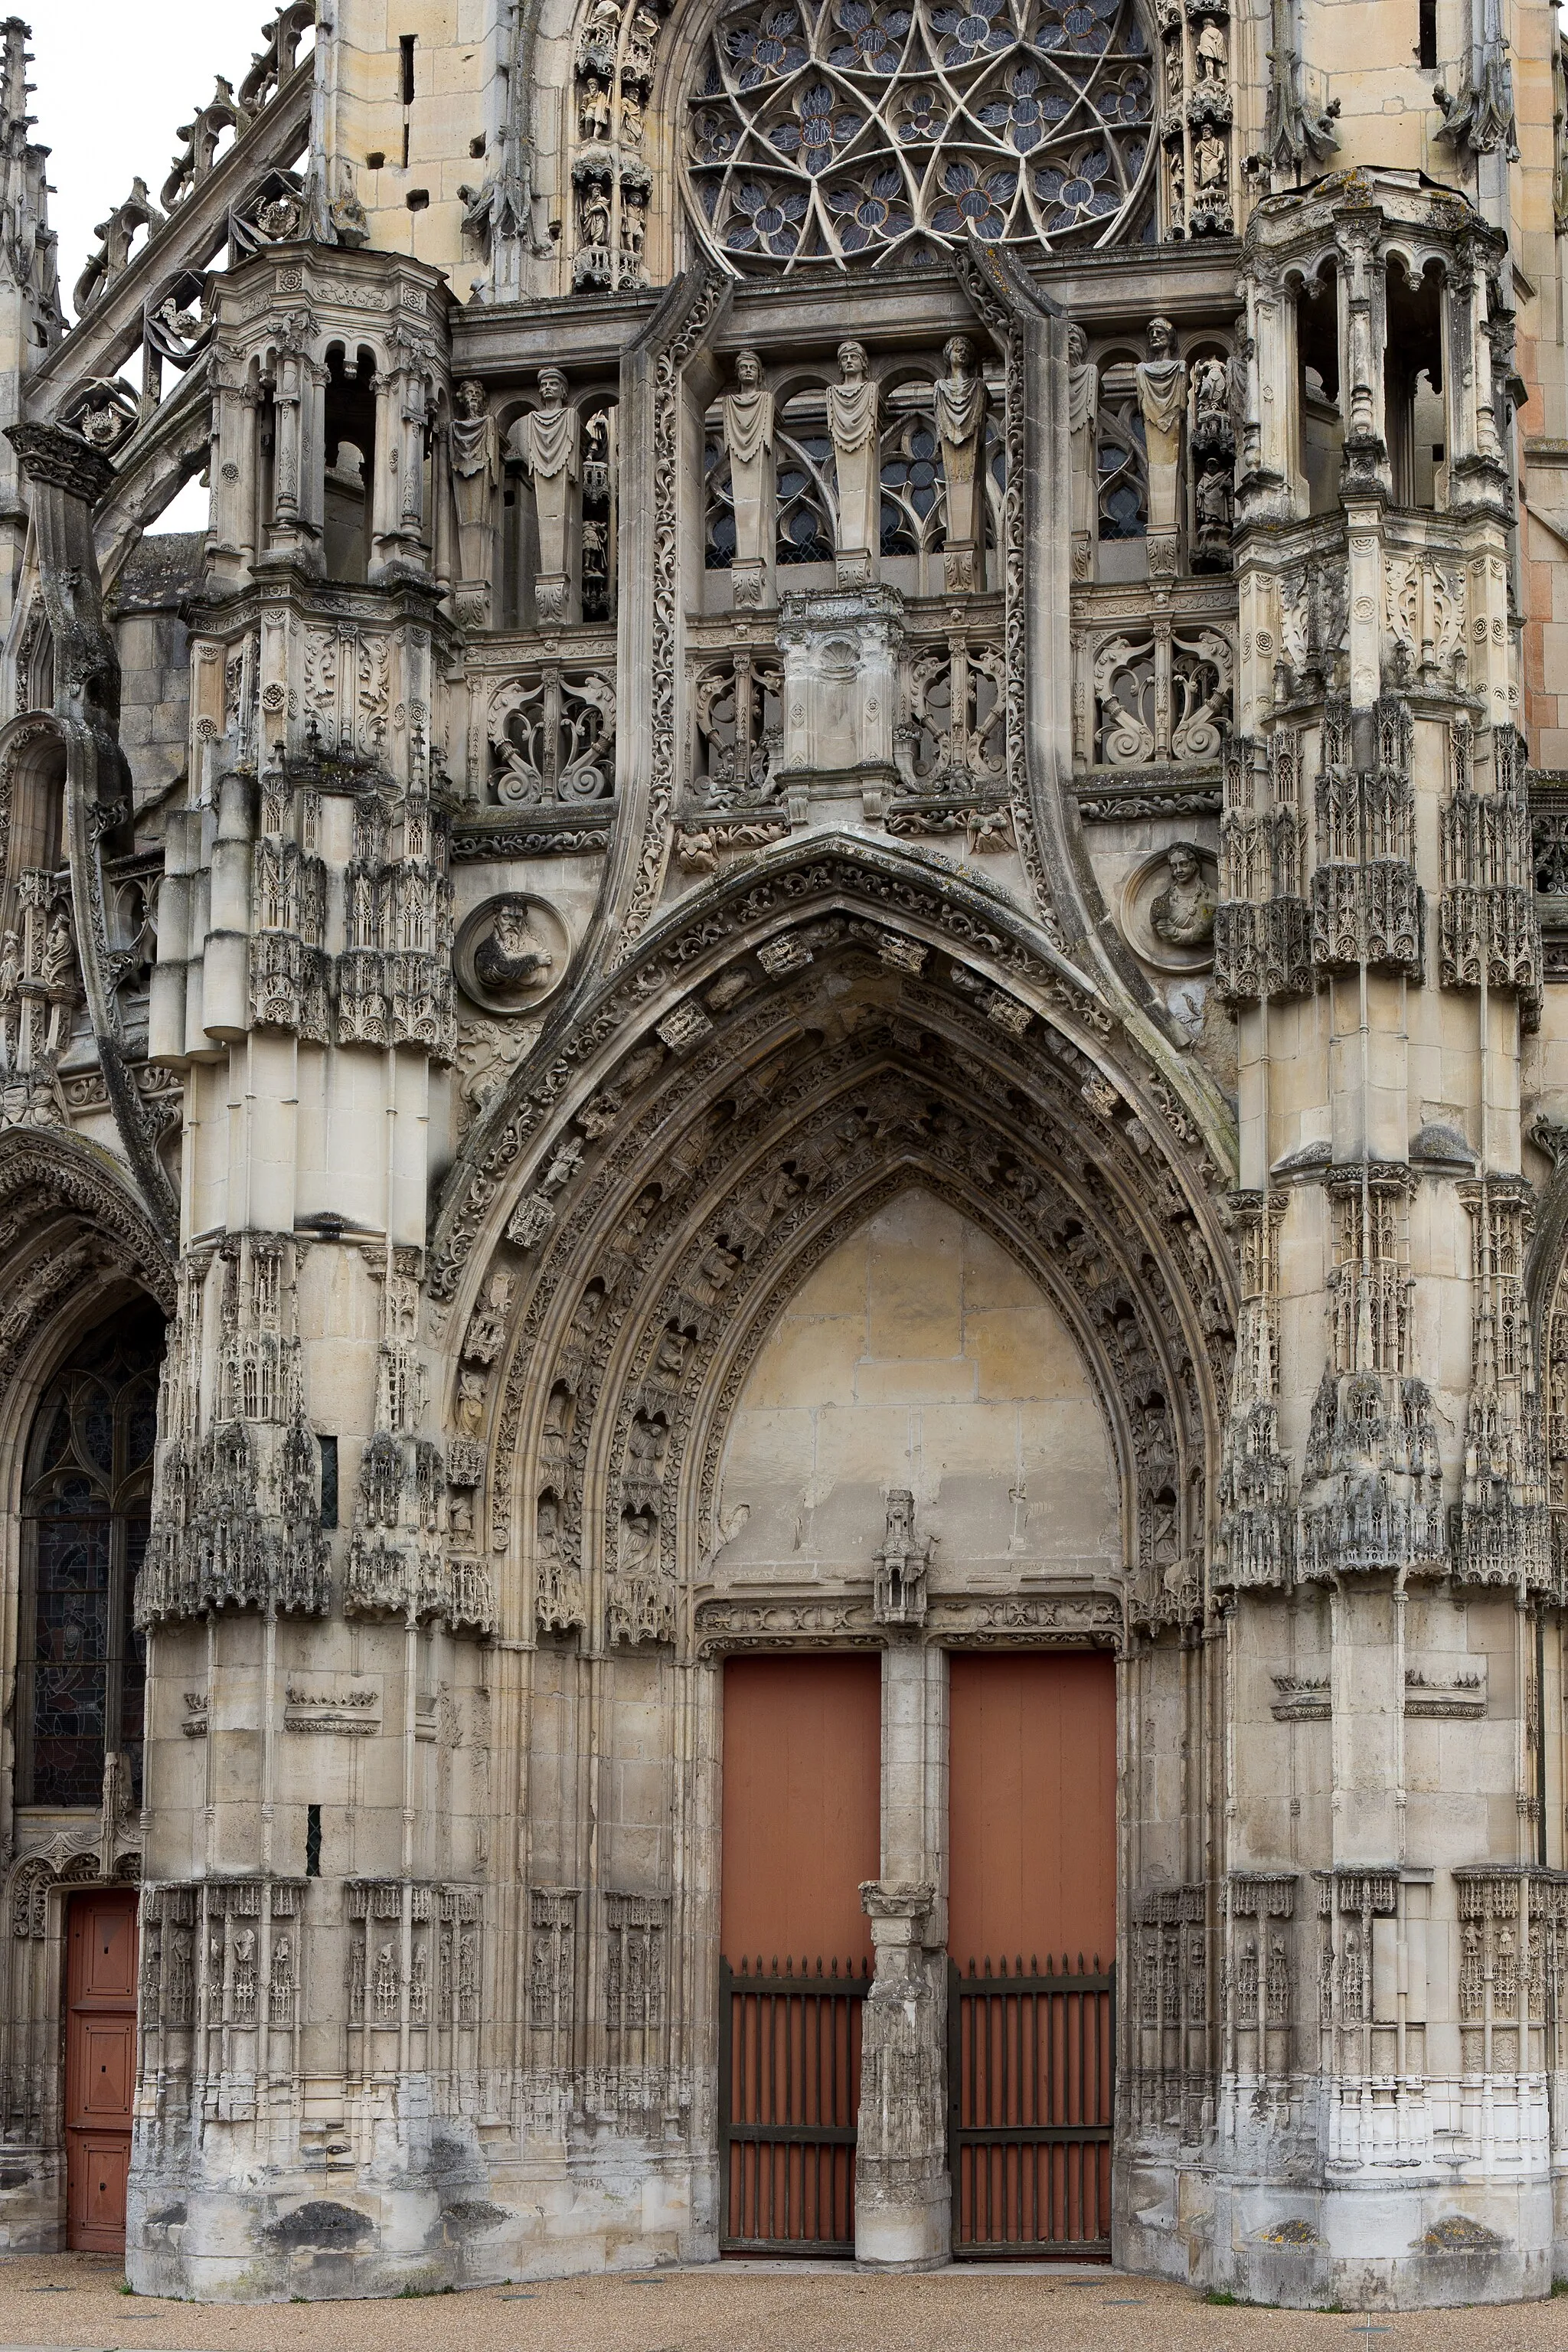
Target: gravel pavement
(76, 2300)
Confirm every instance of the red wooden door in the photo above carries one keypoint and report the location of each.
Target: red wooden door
(1032, 1933)
(801, 1830)
(100, 2065)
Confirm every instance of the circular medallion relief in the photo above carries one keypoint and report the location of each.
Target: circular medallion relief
(512, 952)
(847, 132)
(1168, 904)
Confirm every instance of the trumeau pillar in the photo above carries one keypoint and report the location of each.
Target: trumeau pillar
(903, 2194)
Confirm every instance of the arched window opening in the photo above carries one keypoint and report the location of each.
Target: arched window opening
(1413, 390)
(38, 809)
(1322, 431)
(86, 1509)
(350, 453)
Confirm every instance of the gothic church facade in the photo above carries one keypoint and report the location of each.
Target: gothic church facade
(784, 1151)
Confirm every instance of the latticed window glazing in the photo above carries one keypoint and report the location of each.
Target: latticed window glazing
(85, 1521)
(855, 132)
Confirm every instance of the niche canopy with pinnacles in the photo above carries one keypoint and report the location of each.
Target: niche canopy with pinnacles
(849, 134)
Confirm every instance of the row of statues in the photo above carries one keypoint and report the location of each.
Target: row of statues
(546, 442)
(854, 424)
(1164, 384)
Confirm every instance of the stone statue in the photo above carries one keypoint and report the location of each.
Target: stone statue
(852, 420)
(1162, 397)
(960, 397)
(593, 112)
(476, 472)
(1182, 914)
(748, 427)
(1213, 57)
(1083, 418)
(1211, 162)
(548, 440)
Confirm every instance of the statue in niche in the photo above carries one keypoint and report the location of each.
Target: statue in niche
(1212, 56)
(476, 474)
(510, 957)
(852, 420)
(1212, 514)
(594, 111)
(899, 1594)
(748, 425)
(1211, 394)
(11, 994)
(1083, 418)
(1182, 916)
(470, 1409)
(1162, 397)
(631, 119)
(548, 442)
(1210, 160)
(960, 398)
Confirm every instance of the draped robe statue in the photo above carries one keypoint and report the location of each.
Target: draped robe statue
(748, 425)
(1083, 421)
(960, 400)
(1162, 397)
(548, 441)
(852, 420)
(476, 474)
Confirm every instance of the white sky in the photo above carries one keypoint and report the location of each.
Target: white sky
(113, 80)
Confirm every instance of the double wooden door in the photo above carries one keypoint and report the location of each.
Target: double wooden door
(100, 2065)
(1032, 1933)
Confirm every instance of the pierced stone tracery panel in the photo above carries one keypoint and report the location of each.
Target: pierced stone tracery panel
(839, 135)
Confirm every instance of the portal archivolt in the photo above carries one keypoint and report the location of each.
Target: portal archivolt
(724, 1152)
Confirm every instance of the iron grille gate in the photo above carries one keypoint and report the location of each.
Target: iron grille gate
(1031, 2088)
(789, 2092)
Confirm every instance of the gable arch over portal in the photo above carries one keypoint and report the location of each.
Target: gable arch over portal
(662, 1207)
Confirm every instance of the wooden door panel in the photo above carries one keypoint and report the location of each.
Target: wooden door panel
(100, 2065)
(99, 2165)
(106, 2071)
(105, 1953)
(1031, 1806)
(801, 1829)
(801, 1807)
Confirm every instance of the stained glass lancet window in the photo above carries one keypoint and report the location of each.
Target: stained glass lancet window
(84, 1514)
(849, 132)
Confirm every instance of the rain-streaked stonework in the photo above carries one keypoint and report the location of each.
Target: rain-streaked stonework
(829, 917)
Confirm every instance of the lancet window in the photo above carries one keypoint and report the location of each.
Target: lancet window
(85, 1516)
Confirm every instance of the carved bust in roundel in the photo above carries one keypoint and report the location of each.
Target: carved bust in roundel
(1182, 914)
(512, 952)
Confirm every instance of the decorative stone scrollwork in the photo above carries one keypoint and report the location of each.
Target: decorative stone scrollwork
(437, 1992)
(1161, 694)
(737, 716)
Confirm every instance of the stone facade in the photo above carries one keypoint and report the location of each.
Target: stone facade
(830, 916)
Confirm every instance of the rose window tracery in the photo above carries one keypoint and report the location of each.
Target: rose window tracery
(842, 134)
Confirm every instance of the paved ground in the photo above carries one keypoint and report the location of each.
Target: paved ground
(76, 2300)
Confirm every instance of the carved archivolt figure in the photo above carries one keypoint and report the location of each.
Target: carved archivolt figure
(852, 420)
(748, 416)
(1182, 916)
(1162, 397)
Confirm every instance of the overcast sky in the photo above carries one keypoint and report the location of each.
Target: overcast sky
(112, 80)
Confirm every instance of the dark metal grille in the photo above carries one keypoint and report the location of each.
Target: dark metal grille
(1031, 2087)
(789, 2092)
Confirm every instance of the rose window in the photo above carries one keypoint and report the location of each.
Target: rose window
(821, 132)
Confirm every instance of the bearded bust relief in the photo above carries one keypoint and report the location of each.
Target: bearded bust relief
(511, 953)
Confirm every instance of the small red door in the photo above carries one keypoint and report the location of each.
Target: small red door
(100, 2065)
